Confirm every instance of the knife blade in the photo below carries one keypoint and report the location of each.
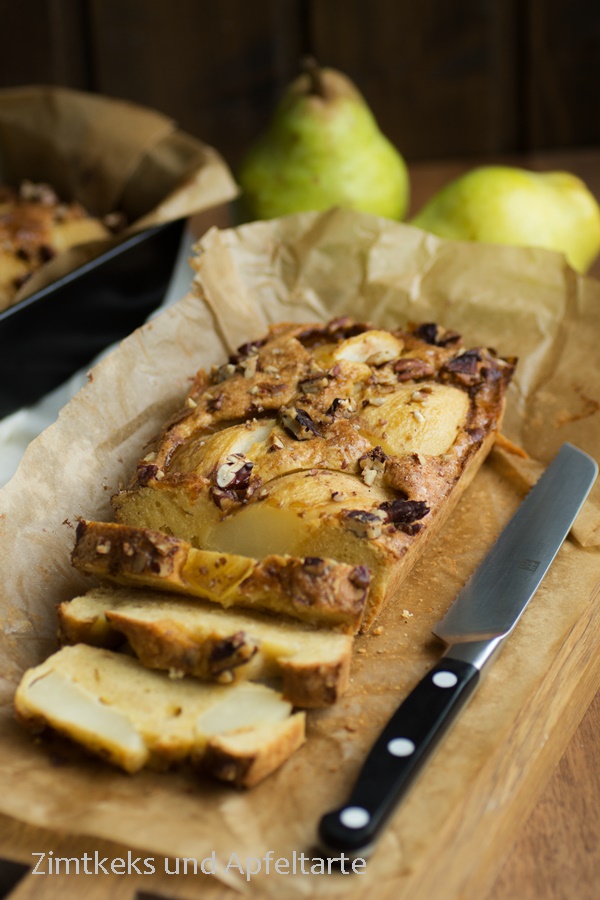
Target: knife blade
(474, 629)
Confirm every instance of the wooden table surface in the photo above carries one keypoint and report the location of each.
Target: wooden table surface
(556, 855)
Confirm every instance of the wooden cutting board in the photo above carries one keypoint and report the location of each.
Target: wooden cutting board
(452, 833)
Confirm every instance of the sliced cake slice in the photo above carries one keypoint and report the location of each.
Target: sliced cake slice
(317, 591)
(134, 717)
(194, 638)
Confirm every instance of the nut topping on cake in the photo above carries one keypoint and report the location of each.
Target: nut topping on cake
(372, 465)
(298, 423)
(365, 524)
(235, 472)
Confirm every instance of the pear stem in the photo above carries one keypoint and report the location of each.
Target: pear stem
(312, 68)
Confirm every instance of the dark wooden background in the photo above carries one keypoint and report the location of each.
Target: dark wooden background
(445, 78)
(449, 81)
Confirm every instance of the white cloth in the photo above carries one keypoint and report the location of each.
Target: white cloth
(19, 428)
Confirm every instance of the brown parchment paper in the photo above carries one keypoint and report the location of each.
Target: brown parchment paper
(309, 267)
(109, 155)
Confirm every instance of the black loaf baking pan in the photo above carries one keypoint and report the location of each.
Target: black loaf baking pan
(111, 156)
(51, 334)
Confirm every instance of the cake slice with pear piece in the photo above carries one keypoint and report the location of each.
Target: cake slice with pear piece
(135, 717)
(189, 637)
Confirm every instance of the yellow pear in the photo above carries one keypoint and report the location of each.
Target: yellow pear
(506, 205)
(323, 148)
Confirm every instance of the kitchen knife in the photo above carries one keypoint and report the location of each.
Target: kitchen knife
(475, 627)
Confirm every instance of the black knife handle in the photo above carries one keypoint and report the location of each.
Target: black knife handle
(398, 754)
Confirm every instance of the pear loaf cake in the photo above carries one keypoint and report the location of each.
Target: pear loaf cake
(338, 441)
(34, 227)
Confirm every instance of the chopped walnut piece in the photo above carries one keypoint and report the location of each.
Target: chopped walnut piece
(411, 368)
(475, 367)
(234, 472)
(146, 473)
(224, 498)
(314, 565)
(275, 442)
(369, 476)
(232, 482)
(376, 457)
(314, 383)
(365, 524)
(434, 334)
(215, 403)
(465, 362)
(245, 350)
(222, 373)
(230, 652)
(298, 423)
(335, 330)
(372, 465)
(339, 496)
(404, 512)
(361, 577)
(249, 366)
(342, 406)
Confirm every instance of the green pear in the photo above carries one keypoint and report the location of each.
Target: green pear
(323, 148)
(505, 205)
